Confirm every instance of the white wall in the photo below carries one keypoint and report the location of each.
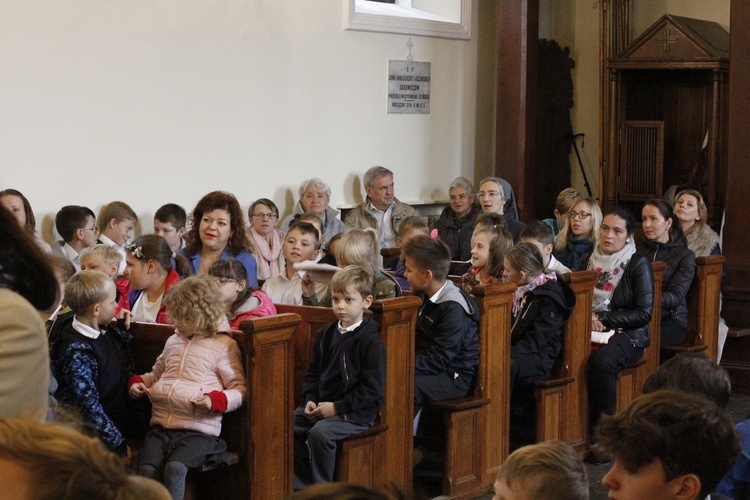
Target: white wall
(155, 101)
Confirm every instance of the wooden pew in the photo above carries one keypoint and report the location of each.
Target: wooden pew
(630, 381)
(477, 426)
(366, 458)
(257, 432)
(704, 308)
(562, 399)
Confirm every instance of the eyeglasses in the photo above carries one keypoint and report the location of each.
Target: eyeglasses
(579, 215)
(95, 229)
(224, 281)
(491, 194)
(264, 216)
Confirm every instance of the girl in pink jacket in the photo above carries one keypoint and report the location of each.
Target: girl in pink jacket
(241, 300)
(197, 378)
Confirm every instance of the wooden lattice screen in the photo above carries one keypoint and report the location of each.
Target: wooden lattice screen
(641, 160)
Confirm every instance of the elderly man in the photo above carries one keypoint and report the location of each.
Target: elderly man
(314, 197)
(381, 210)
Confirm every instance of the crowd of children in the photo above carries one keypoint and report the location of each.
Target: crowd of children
(199, 375)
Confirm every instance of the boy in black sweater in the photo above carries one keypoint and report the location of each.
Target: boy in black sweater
(91, 359)
(343, 386)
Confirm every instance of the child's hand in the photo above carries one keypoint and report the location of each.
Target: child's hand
(324, 410)
(310, 410)
(137, 390)
(204, 402)
(308, 287)
(123, 319)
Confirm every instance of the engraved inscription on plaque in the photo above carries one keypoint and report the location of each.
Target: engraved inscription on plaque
(409, 87)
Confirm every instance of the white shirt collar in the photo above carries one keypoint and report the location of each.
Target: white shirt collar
(72, 256)
(349, 328)
(373, 208)
(433, 299)
(108, 241)
(85, 330)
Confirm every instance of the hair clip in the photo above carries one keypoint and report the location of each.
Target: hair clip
(135, 251)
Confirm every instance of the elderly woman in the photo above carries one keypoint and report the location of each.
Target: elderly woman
(19, 206)
(456, 222)
(218, 233)
(492, 197)
(314, 196)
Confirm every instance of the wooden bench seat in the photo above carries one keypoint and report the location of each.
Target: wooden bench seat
(477, 426)
(630, 381)
(381, 456)
(257, 433)
(562, 399)
(704, 308)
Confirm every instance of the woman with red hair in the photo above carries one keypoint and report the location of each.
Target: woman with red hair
(218, 233)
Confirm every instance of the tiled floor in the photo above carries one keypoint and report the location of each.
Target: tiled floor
(738, 408)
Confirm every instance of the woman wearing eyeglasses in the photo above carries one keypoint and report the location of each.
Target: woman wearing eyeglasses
(315, 196)
(263, 214)
(491, 196)
(576, 240)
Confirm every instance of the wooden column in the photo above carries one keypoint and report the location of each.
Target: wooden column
(736, 286)
(518, 47)
(736, 234)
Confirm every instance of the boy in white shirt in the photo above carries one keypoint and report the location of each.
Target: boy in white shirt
(77, 227)
(540, 234)
(170, 223)
(301, 243)
(116, 223)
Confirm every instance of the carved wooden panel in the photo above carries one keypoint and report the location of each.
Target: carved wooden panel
(576, 351)
(495, 302)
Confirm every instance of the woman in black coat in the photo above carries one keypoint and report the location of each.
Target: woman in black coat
(623, 300)
(665, 242)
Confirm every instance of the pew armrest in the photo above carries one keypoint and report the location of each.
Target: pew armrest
(460, 404)
(234, 458)
(686, 348)
(551, 382)
(372, 431)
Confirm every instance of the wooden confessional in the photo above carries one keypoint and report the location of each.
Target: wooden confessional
(668, 90)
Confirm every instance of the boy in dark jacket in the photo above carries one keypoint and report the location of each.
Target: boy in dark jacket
(447, 345)
(91, 359)
(343, 386)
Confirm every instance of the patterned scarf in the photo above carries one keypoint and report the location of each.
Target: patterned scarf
(610, 269)
(522, 290)
(268, 253)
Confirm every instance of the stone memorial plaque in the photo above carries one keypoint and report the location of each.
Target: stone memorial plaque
(409, 87)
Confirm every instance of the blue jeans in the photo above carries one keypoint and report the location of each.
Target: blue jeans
(315, 446)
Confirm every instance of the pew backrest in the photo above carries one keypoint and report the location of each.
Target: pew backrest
(397, 318)
(261, 431)
(704, 304)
